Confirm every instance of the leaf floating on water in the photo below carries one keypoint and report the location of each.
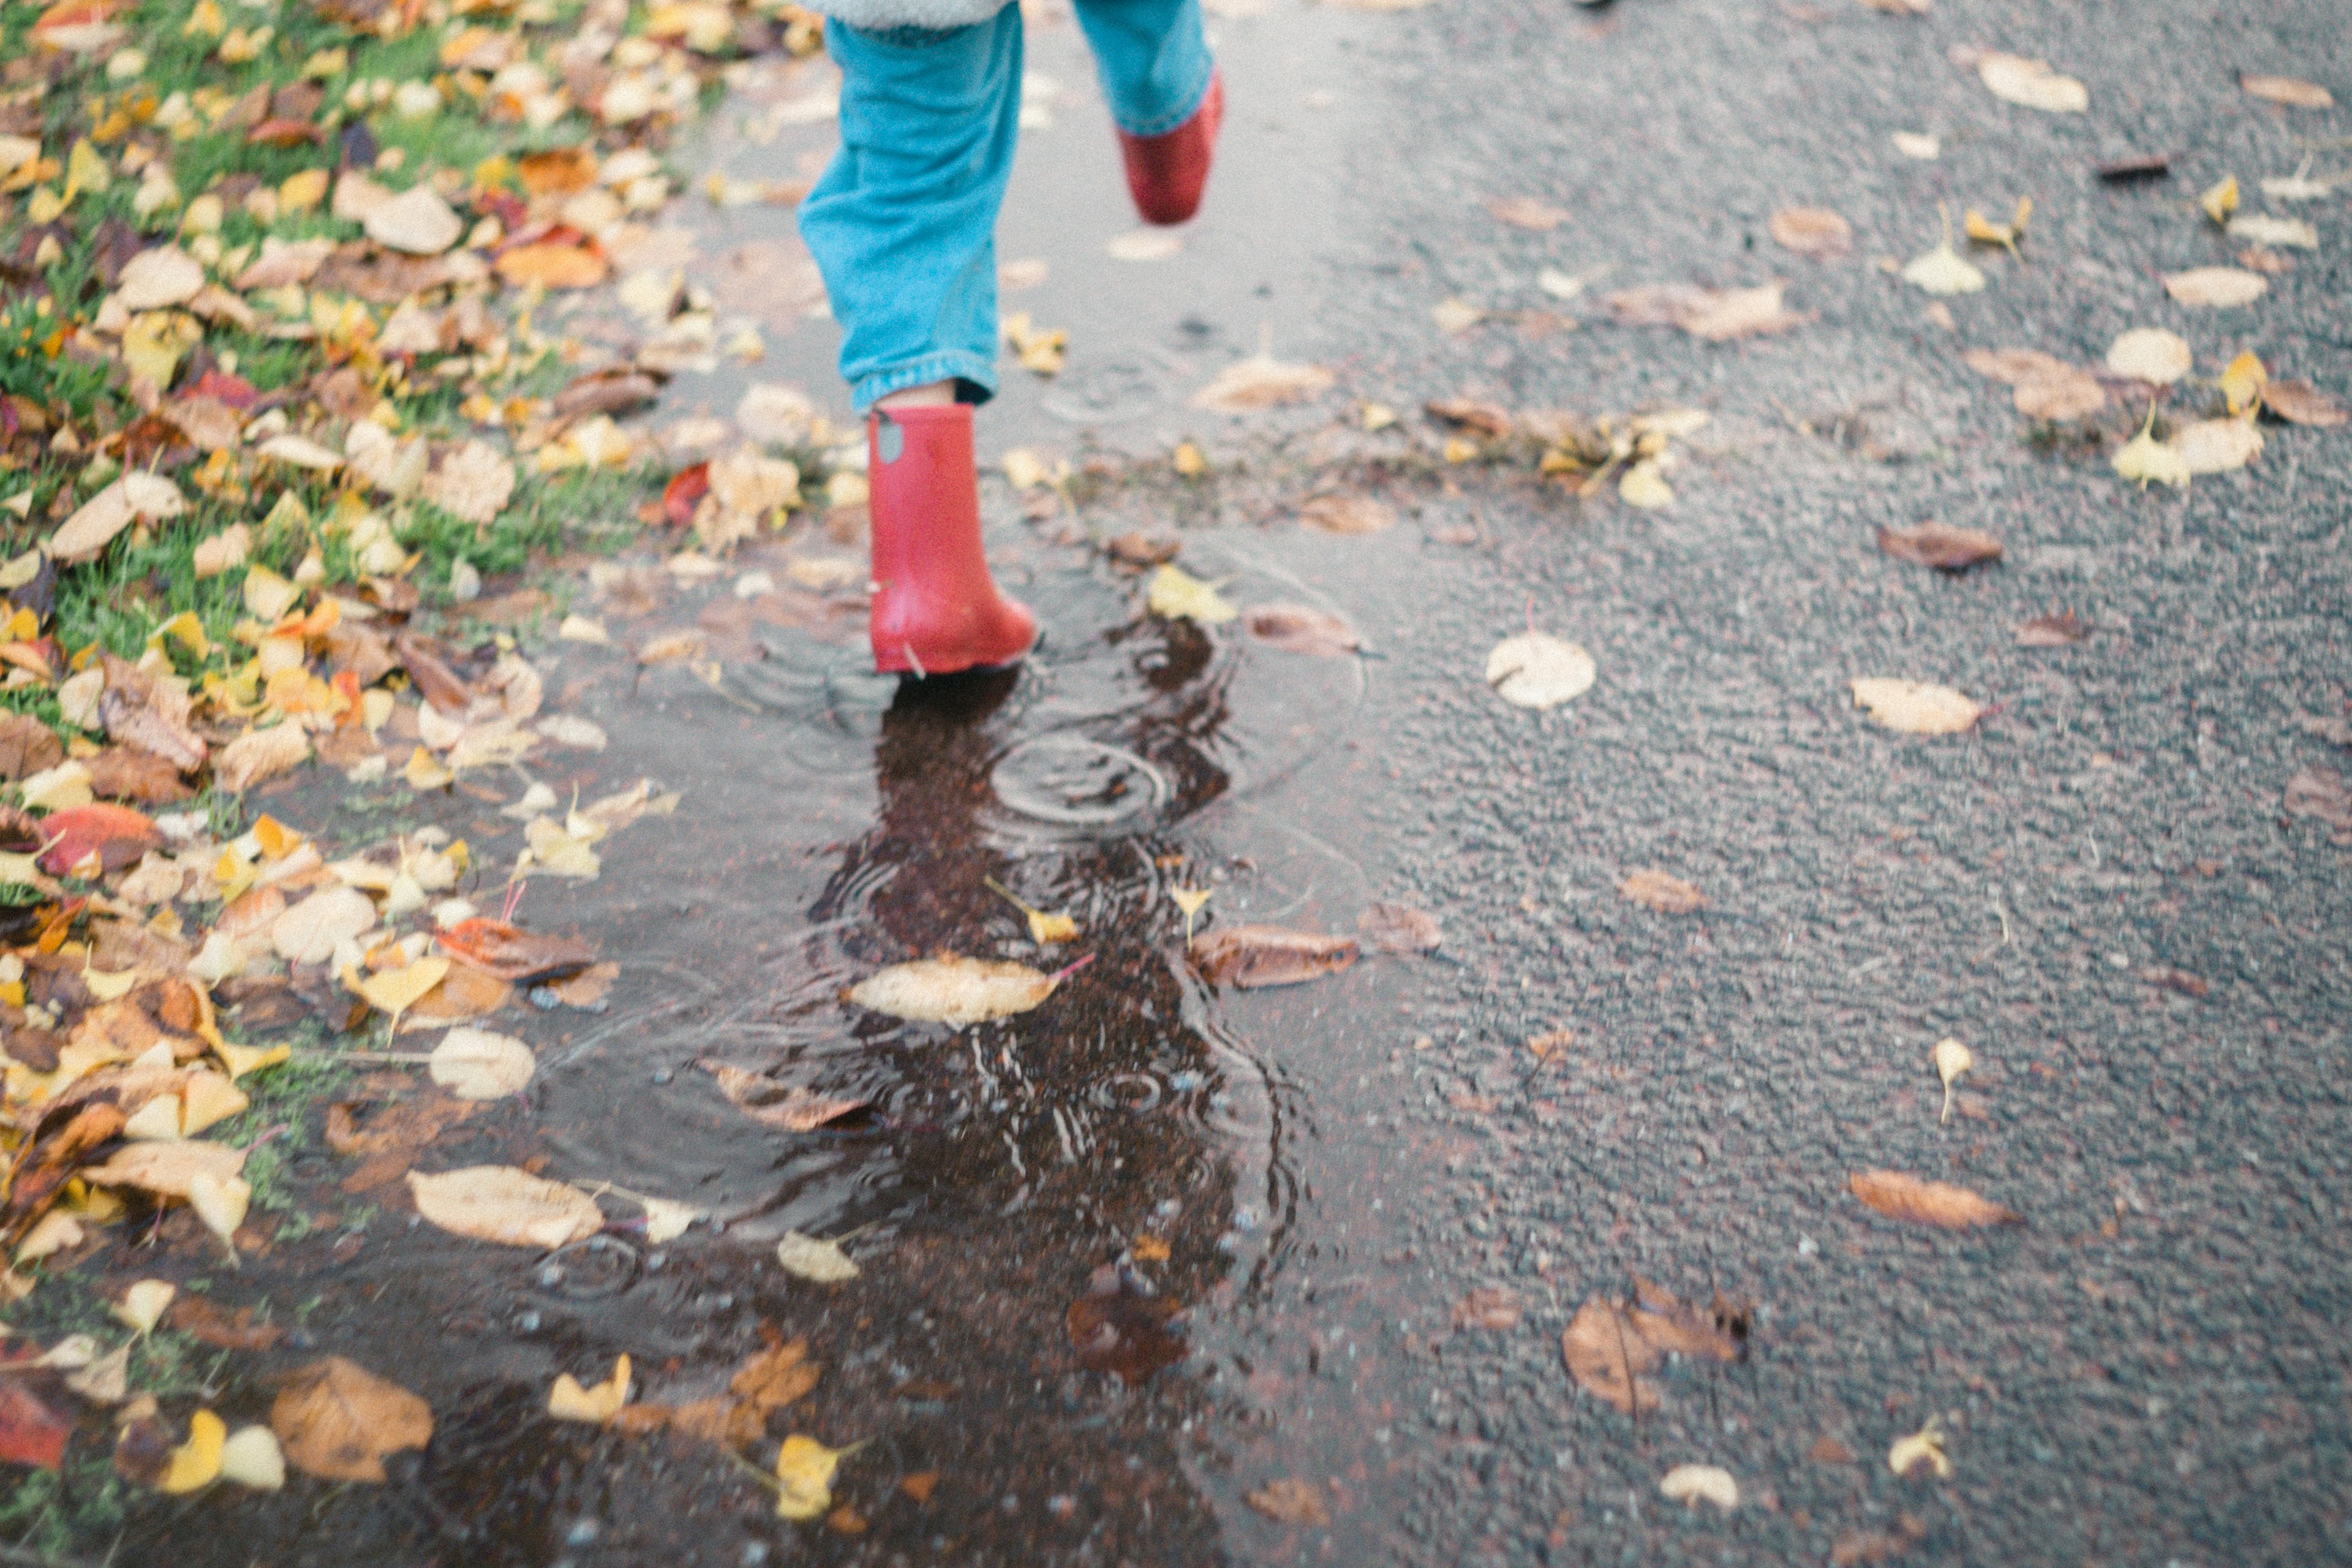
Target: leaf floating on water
(568, 1401)
(2151, 354)
(1294, 629)
(950, 990)
(1692, 1484)
(790, 1107)
(1940, 545)
(1176, 594)
(1666, 894)
(809, 1258)
(1924, 1448)
(474, 1064)
(1190, 901)
(1250, 956)
(1952, 1059)
(1899, 1196)
(1536, 670)
(1290, 1500)
(1045, 930)
(1915, 707)
(505, 1204)
(338, 1420)
(1609, 1348)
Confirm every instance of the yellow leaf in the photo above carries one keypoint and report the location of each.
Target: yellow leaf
(1952, 1059)
(2220, 201)
(394, 991)
(85, 170)
(268, 596)
(187, 631)
(950, 990)
(196, 1463)
(107, 987)
(1915, 707)
(242, 1059)
(276, 839)
(207, 1100)
(220, 1202)
(1044, 929)
(804, 1471)
(44, 205)
(569, 1401)
(251, 1457)
(155, 343)
(1643, 486)
(1944, 271)
(2243, 381)
(2147, 461)
(1190, 901)
(423, 773)
(300, 192)
(1176, 594)
(1924, 1447)
(142, 1305)
(206, 21)
(1187, 461)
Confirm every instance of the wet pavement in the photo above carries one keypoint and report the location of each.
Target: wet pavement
(1132, 1257)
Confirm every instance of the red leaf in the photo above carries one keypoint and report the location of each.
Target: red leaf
(219, 384)
(511, 952)
(30, 1432)
(684, 493)
(118, 834)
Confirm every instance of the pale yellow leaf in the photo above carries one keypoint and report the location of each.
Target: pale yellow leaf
(805, 1472)
(567, 1401)
(2151, 354)
(957, 991)
(812, 1259)
(1538, 670)
(503, 1205)
(1176, 594)
(1914, 707)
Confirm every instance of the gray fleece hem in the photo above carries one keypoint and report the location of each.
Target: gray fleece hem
(932, 15)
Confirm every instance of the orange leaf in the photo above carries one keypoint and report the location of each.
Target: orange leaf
(1899, 1197)
(552, 265)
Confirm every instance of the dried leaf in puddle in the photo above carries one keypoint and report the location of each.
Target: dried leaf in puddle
(1294, 628)
(2151, 354)
(1952, 1059)
(2031, 84)
(790, 1107)
(505, 1204)
(1817, 232)
(474, 1064)
(2061, 629)
(1494, 1307)
(805, 1472)
(2292, 92)
(1666, 894)
(811, 1258)
(568, 1401)
(1250, 956)
(1940, 545)
(1176, 594)
(1290, 1500)
(1899, 1197)
(1693, 1484)
(1259, 382)
(2299, 403)
(1915, 707)
(512, 952)
(950, 990)
(1538, 670)
(338, 1420)
(2216, 446)
(1346, 514)
(1400, 928)
(1609, 1347)
(2216, 287)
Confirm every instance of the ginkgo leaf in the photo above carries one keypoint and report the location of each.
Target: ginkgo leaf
(2243, 381)
(196, 1463)
(2219, 199)
(393, 991)
(507, 1205)
(1923, 1447)
(1952, 1059)
(567, 1401)
(2263, 228)
(1904, 1197)
(2032, 84)
(158, 278)
(1692, 1484)
(338, 1420)
(1944, 270)
(1915, 707)
(251, 1457)
(220, 1202)
(2151, 354)
(2216, 287)
(2216, 446)
(805, 1472)
(1644, 487)
(2147, 461)
(143, 1303)
(1177, 595)
(666, 1219)
(1538, 670)
(949, 990)
(417, 221)
(474, 1064)
(1262, 382)
(812, 1259)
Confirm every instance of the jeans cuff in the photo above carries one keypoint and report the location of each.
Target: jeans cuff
(1166, 122)
(977, 373)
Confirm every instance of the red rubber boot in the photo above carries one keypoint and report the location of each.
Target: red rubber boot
(936, 609)
(1166, 174)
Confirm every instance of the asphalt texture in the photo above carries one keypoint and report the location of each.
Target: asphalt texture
(1133, 1259)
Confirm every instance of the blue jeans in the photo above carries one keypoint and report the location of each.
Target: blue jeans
(903, 221)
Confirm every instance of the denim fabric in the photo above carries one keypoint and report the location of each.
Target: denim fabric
(903, 221)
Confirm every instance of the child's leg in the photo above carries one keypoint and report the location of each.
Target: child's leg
(903, 221)
(1165, 98)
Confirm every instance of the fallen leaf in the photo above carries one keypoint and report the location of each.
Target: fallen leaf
(1923, 1447)
(501, 1203)
(220, 1203)
(949, 990)
(1666, 894)
(1294, 628)
(810, 1258)
(1400, 928)
(2271, 232)
(2215, 286)
(567, 1401)
(1454, 315)
(2216, 446)
(137, 496)
(394, 991)
(310, 932)
(166, 1169)
(1494, 1307)
(2068, 393)
(2242, 381)
(259, 754)
(338, 1420)
(1691, 1484)
(1944, 271)
(473, 482)
(474, 1064)
(1608, 1348)
(2061, 629)
(116, 835)
(1914, 707)
(1538, 670)
(2299, 403)
(1346, 514)
(30, 1432)
(511, 952)
(2146, 460)
(1259, 382)
(1290, 1500)
(805, 1472)
(1644, 487)
(1817, 232)
(2292, 92)
(1903, 1197)
(252, 1458)
(196, 1464)
(2031, 84)
(1940, 545)
(2151, 354)
(1913, 144)
(417, 222)
(550, 265)
(163, 276)
(1528, 212)
(1952, 1059)
(791, 1107)
(1720, 315)
(143, 1304)
(1176, 594)
(1249, 957)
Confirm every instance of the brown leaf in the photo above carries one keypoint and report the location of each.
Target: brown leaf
(1116, 1328)
(1551, 1043)
(27, 746)
(614, 390)
(553, 266)
(433, 678)
(1346, 514)
(1666, 894)
(559, 172)
(1400, 928)
(464, 995)
(44, 1167)
(1718, 315)
(2293, 92)
(1290, 1501)
(1940, 545)
(338, 1420)
(772, 1379)
(127, 773)
(1253, 955)
(2060, 628)
(790, 1107)
(1141, 550)
(2299, 403)
(2065, 393)
(259, 754)
(1816, 232)
(2320, 793)
(505, 1204)
(1488, 1306)
(205, 1320)
(1899, 1197)
(2179, 980)
(1294, 628)
(511, 952)
(1488, 419)
(1528, 212)
(1828, 1450)
(1609, 1347)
